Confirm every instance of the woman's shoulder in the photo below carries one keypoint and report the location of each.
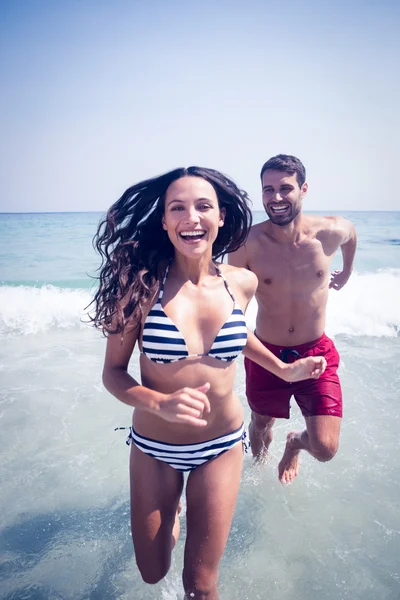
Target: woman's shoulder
(240, 277)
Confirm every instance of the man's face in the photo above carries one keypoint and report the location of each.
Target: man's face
(282, 196)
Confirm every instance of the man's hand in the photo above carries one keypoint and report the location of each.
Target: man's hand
(339, 279)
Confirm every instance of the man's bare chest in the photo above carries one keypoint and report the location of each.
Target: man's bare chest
(280, 266)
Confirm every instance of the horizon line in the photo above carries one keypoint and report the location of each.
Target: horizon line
(88, 212)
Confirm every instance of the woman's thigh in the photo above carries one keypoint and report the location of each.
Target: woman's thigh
(155, 492)
(211, 494)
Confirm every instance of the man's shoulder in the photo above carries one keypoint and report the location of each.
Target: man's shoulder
(327, 224)
(240, 276)
(257, 230)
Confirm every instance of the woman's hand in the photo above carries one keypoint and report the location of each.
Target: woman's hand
(187, 405)
(304, 368)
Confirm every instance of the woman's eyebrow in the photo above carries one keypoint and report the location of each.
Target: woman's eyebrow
(175, 200)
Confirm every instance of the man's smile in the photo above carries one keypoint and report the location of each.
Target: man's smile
(279, 208)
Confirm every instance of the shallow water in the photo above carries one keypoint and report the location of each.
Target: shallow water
(64, 511)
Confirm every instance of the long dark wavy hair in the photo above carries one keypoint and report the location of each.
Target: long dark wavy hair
(135, 249)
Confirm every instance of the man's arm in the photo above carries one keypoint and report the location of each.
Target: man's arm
(348, 244)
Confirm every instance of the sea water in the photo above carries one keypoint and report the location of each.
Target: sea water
(334, 534)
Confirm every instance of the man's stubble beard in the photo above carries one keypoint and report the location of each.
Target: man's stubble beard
(275, 219)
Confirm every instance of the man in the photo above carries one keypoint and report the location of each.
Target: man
(291, 255)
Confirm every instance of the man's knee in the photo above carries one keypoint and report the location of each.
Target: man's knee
(261, 422)
(325, 449)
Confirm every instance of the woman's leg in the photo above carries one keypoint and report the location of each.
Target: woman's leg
(211, 494)
(156, 489)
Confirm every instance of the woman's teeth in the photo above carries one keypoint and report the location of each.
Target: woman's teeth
(192, 234)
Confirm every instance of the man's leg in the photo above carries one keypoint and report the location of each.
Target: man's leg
(320, 401)
(267, 395)
(260, 434)
(320, 439)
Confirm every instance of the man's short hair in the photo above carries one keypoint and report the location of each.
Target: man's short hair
(289, 164)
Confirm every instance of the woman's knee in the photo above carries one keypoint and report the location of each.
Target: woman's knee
(153, 571)
(200, 581)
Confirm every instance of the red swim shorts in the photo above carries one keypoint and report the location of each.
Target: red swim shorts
(270, 395)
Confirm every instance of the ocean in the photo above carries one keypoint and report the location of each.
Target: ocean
(334, 534)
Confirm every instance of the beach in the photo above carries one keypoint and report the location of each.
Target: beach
(64, 500)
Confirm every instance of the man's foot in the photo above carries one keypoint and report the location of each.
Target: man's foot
(289, 465)
(262, 457)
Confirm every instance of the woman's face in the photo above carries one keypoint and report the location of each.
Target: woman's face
(192, 216)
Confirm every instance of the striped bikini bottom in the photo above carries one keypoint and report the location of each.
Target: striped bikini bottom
(186, 457)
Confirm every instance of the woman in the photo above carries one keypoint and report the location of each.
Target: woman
(160, 287)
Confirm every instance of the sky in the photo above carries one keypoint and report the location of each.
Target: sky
(98, 95)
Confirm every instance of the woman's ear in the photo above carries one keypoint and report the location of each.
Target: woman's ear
(222, 214)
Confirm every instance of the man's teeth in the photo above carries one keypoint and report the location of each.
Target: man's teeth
(279, 208)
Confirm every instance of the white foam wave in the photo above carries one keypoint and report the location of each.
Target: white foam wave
(368, 305)
(28, 310)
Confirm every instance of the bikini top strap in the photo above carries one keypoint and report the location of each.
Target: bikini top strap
(219, 273)
(228, 289)
(160, 295)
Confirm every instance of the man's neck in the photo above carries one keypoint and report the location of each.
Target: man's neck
(288, 234)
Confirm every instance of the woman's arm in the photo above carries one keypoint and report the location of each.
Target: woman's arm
(304, 368)
(186, 405)
(116, 378)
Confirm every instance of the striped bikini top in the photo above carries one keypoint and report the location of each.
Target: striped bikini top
(162, 341)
